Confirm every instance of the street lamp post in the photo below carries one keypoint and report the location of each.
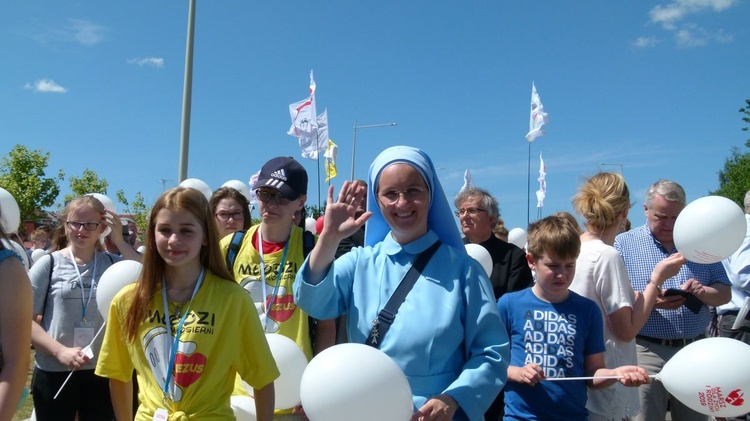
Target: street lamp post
(354, 141)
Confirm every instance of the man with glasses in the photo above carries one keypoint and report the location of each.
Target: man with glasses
(277, 242)
(478, 213)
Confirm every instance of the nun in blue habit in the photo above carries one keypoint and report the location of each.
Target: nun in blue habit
(447, 336)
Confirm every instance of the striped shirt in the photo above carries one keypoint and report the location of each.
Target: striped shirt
(641, 252)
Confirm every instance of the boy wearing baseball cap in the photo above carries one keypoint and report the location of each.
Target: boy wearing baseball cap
(273, 244)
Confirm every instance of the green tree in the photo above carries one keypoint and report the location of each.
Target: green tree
(22, 174)
(734, 179)
(139, 210)
(89, 182)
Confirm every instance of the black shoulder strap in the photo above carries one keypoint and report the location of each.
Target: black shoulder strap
(49, 281)
(308, 242)
(234, 249)
(386, 316)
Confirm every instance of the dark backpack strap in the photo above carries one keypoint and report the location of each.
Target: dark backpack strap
(387, 315)
(234, 249)
(49, 281)
(308, 242)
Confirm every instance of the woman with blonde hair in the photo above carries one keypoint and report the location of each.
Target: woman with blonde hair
(604, 201)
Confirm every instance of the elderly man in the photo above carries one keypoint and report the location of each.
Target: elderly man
(671, 325)
(478, 213)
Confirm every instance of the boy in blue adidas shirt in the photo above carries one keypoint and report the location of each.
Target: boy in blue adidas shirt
(555, 333)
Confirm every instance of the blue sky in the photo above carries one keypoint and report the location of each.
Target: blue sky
(653, 88)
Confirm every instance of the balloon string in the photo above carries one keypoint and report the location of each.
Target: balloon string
(560, 379)
(85, 350)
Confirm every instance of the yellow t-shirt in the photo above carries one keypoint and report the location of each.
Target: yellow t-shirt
(284, 317)
(221, 338)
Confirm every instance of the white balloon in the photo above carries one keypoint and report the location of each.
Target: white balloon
(37, 254)
(355, 382)
(517, 236)
(10, 213)
(709, 229)
(106, 201)
(243, 407)
(711, 376)
(19, 250)
(310, 224)
(239, 186)
(113, 279)
(481, 255)
(199, 185)
(109, 205)
(141, 249)
(291, 362)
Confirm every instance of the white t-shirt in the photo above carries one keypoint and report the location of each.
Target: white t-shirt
(601, 276)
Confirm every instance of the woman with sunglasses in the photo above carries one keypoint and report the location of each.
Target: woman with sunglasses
(66, 316)
(231, 211)
(447, 335)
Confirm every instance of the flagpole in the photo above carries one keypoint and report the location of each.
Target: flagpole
(318, 184)
(187, 96)
(528, 187)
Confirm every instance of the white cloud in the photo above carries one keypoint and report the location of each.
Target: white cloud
(147, 61)
(45, 86)
(691, 36)
(645, 42)
(87, 33)
(673, 17)
(673, 12)
(78, 31)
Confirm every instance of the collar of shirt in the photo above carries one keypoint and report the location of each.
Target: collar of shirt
(391, 247)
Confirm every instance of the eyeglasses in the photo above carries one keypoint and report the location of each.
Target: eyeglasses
(265, 196)
(224, 216)
(470, 211)
(411, 194)
(88, 226)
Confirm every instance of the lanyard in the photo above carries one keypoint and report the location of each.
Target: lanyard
(280, 272)
(178, 332)
(84, 301)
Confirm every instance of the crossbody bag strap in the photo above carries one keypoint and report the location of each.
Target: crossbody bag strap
(386, 316)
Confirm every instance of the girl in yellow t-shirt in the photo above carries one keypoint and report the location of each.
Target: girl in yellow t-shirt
(186, 367)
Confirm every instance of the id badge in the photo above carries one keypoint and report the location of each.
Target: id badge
(160, 414)
(83, 334)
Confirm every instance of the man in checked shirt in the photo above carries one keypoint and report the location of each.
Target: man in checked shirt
(671, 325)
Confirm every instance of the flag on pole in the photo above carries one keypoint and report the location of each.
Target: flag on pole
(305, 121)
(538, 117)
(542, 192)
(254, 179)
(468, 182)
(331, 153)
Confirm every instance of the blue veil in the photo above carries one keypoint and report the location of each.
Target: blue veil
(440, 217)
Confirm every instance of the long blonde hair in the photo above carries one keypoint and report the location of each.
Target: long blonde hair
(601, 199)
(149, 283)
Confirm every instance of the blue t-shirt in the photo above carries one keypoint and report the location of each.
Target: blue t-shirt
(558, 337)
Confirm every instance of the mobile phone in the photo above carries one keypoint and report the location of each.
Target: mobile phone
(676, 291)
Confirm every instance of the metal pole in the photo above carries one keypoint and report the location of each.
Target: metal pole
(354, 147)
(354, 141)
(187, 96)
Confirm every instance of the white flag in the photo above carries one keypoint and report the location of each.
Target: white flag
(304, 117)
(254, 179)
(538, 117)
(542, 192)
(467, 181)
(311, 149)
